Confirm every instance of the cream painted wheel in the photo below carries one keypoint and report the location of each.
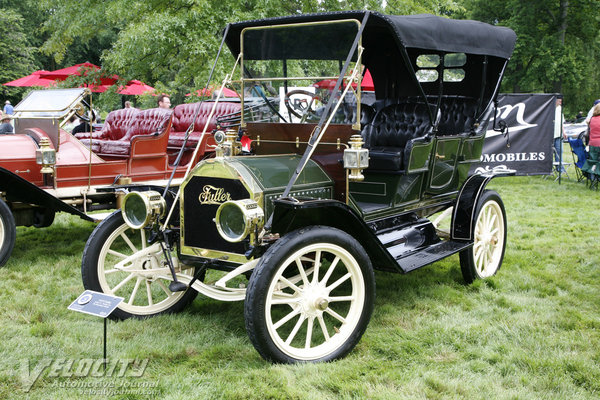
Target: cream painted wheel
(485, 257)
(311, 298)
(141, 278)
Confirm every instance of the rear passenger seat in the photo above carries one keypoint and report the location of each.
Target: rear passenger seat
(184, 113)
(457, 115)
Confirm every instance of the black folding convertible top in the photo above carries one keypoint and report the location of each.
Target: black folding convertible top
(410, 31)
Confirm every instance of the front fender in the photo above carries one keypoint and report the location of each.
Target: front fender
(19, 190)
(290, 215)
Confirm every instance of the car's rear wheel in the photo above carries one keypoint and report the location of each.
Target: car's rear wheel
(311, 297)
(143, 280)
(485, 257)
(8, 233)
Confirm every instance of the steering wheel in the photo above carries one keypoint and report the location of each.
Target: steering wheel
(300, 108)
(80, 111)
(262, 94)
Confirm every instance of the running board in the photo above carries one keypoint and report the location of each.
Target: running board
(431, 254)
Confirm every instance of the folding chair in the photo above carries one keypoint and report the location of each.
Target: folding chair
(579, 154)
(592, 167)
(557, 164)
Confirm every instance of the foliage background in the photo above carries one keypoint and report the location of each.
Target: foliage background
(171, 44)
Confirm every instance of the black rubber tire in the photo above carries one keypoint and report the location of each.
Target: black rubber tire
(264, 273)
(43, 217)
(467, 257)
(90, 269)
(9, 233)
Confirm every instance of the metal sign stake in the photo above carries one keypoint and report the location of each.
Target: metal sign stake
(100, 305)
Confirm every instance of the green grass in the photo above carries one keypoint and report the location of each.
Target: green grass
(530, 332)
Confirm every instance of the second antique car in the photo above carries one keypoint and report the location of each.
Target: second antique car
(44, 169)
(327, 191)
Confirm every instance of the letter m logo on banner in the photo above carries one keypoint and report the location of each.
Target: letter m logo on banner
(530, 121)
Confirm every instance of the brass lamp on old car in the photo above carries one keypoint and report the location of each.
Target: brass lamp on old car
(140, 209)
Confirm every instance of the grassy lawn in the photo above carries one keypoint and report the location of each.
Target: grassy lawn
(530, 332)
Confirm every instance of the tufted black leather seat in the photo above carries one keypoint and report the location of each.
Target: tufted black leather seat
(390, 135)
(457, 115)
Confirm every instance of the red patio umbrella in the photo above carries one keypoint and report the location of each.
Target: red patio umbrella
(366, 84)
(78, 69)
(135, 87)
(204, 92)
(32, 80)
(49, 78)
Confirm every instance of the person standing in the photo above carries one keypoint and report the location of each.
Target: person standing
(164, 101)
(8, 108)
(590, 113)
(559, 133)
(5, 126)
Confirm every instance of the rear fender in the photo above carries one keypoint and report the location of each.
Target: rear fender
(289, 215)
(463, 223)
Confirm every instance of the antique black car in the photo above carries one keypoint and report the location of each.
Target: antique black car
(292, 216)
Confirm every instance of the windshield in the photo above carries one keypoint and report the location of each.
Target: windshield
(293, 69)
(54, 103)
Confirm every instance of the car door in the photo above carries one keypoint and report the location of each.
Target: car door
(443, 169)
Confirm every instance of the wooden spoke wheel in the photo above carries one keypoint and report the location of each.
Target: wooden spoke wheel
(311, 296)
(142, 278)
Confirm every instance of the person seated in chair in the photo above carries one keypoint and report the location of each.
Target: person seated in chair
(592, 164)
(5, 126)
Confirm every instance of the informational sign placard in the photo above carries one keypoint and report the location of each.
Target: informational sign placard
(530, 122)
(95, 303)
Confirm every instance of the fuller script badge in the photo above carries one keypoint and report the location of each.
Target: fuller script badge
(213, 195)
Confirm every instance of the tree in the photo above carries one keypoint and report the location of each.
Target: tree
(17, 56)
(173, 43)
(558, 46)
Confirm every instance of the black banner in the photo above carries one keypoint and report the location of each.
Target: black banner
(530, 121)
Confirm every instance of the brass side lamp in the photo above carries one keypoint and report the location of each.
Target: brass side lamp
(45, 156)
(356, 158)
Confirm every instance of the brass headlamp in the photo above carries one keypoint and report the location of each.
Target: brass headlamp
(142, 208)
(236, 219)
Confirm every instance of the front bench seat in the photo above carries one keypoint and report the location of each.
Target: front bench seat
(153, 121)
(391, 133)
(115, 127)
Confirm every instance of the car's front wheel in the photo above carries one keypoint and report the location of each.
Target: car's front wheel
(311, 296)
(485, 257)
(8, 233)
(117, 261)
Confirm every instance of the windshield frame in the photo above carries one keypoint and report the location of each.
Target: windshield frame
(246, 81)
(59, 111)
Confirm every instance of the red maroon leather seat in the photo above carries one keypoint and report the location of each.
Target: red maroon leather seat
(153, 121)
(182, 119)
(115, 127)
